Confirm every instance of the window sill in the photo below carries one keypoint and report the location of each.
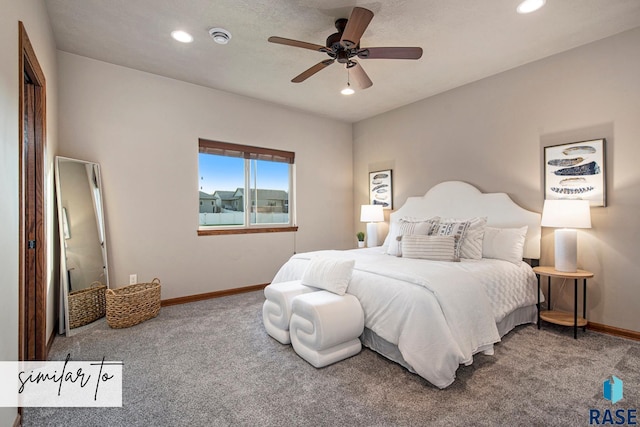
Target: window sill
(247, 231)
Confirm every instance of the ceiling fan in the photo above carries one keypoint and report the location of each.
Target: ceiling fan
(344, 46)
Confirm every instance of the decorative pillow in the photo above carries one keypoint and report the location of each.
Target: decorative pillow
(434, 248)
(394, 228)
(408, 226)
(504, 243)
(453, 228)
(471, 241)
(392, 236)
(331, 274)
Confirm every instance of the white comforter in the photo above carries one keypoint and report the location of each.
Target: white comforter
(439, 314)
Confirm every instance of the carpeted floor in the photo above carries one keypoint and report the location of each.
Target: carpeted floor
(211, 363)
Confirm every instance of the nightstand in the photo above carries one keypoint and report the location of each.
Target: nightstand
(560, 317)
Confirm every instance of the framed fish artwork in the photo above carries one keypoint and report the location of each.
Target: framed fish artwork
(576, 171)
(380, 190)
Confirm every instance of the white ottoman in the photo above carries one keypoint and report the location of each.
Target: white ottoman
(276, 310)
(325, 327)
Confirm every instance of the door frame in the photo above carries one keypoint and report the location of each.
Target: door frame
(32, 299)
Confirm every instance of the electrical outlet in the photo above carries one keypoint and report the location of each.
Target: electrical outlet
(133, 279)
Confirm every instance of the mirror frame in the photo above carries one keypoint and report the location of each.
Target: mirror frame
(62, 231)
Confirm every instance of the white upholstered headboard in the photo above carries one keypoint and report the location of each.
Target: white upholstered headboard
(456, 199)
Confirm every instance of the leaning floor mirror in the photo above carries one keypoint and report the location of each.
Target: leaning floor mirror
(83, 248)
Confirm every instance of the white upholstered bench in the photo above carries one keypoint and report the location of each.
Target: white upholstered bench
(276, 310)
(324, 327)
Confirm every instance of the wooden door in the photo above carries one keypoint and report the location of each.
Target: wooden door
(32, 264)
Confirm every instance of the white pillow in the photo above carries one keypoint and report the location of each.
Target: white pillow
(331, 274)
(394, 228)
(434, 248)
(408, 226)
(504, 243)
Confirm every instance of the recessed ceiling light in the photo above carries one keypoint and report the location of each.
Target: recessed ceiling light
(528, 6)
(220, 35)
(182, 36)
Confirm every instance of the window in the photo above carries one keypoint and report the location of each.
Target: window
(250, 189)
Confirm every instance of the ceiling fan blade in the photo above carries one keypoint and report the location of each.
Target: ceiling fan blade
(390, 53)
(297, 43)
(357, 24)
(311, 71)
(360, 76)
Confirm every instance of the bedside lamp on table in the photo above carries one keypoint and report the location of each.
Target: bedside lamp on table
(566, 215)
(371, 214)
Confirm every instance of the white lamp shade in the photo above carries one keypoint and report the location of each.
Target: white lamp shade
(566, 214)
(371, 213)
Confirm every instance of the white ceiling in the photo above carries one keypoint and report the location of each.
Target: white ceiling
(463, 41)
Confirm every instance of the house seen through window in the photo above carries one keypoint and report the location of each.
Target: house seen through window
(243, 187)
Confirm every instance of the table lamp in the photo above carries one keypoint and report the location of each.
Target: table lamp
(371, 214)
(566, 215)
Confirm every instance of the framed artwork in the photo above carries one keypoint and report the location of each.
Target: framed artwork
(576, 171)
(380, 189)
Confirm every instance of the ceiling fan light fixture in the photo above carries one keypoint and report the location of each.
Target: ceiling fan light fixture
(220, 35)
(182, 36)
(347, 90)
(528, 6)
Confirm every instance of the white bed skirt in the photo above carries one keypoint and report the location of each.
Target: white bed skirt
(371, 340)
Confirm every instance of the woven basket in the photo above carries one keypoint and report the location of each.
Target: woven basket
(133, 304)
(86, 305)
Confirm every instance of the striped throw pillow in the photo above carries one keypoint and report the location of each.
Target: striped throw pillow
(471, 247)
(434, 248)
(469, 236)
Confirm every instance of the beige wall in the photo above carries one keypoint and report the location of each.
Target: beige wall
(143, 130)
(491, 133)
(34, 16)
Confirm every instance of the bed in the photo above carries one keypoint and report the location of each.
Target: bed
(432, 316)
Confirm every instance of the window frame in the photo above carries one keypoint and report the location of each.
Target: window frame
(248, 153)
